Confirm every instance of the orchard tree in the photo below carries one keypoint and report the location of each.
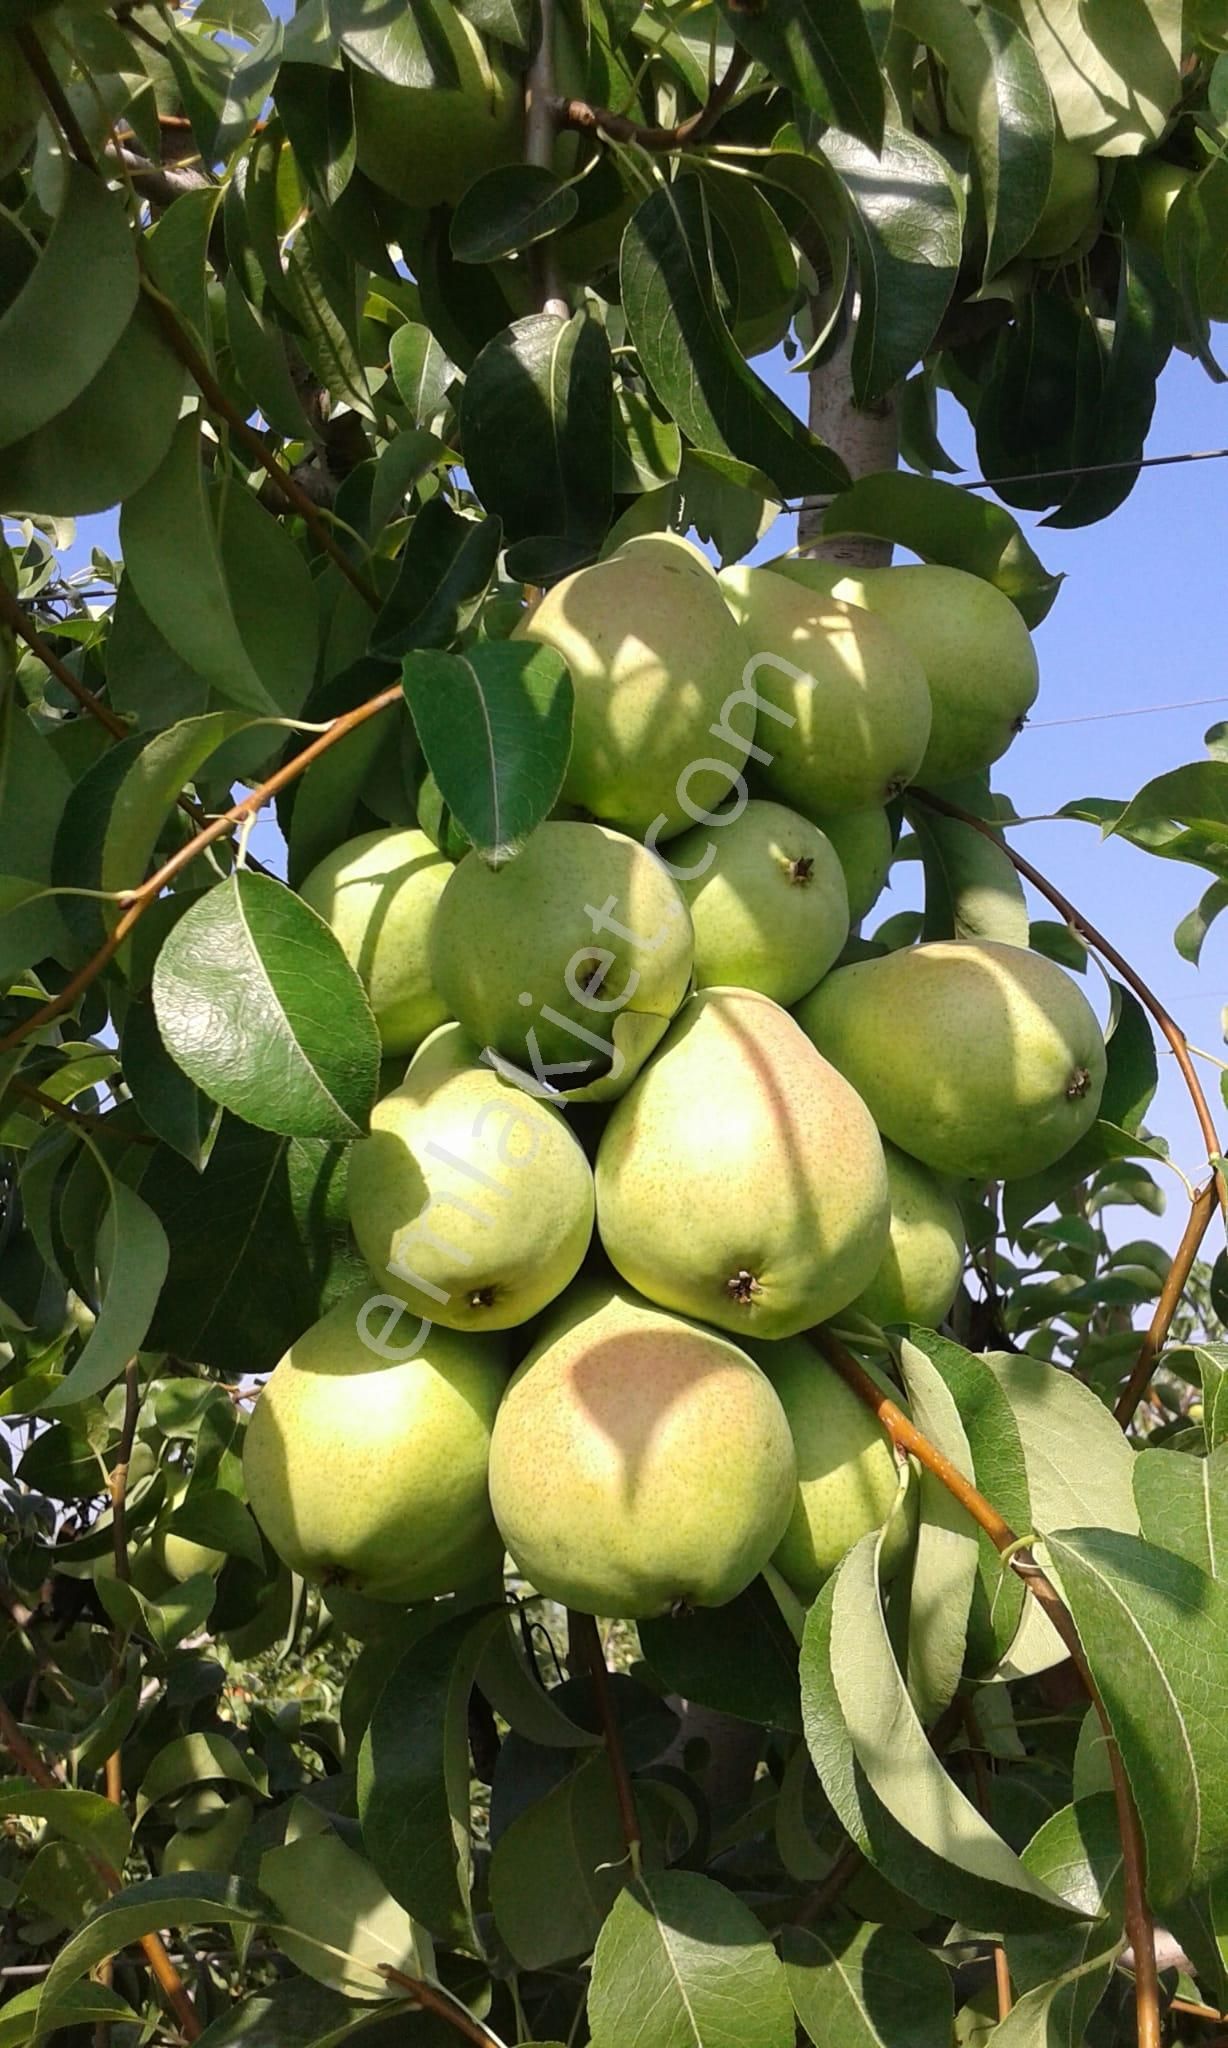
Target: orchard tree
(714, 1562)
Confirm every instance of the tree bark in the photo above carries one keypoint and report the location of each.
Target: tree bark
(867, 441)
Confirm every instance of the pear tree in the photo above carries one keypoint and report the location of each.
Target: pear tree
(585, 1452)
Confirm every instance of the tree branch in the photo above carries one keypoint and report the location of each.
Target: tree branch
(82, 1119)
(1135, 1389)
(138, 900)
(539, 134)
(980, 1778)
(906, 1436)
(432, 1999)
(586, 1642)
(603, 121)
(183, 345)
(159, 1961)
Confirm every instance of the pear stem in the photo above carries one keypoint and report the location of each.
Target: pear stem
(585, 1640)
(1017, 1557)
(1136, 1386)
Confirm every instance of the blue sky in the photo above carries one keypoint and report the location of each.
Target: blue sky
(1138, 623)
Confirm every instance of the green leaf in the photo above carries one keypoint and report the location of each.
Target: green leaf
(83, 291)
(997, 1459)
(171, 553)
(942, 523)
(260, 1007)
(420, 370)
(170, 1104)
(1001, 91)
(1191, 933)
(495, 728)
(132, 1262)
(682, 1963)
(90, 2005)
(1155, 1631)
(1113, 67)
(413, 1778)
(891, 1746)
(537, 421)
(1183, 1505)
(259, 1245)
(195, 1899)
(822, 51)
(1212, 1361)
(272, 595)
(738, 1659)
(443, 574)
(947, 1880)
(867, 1987)
(196, 1759)
(520, 1698)
(1142, 332)
(299, 2013)
(557, 1870)
(258, 353)
(946, 1557)
(177, 255)
(971, 889)
(337, 1920)
(85, 1818)
(217, 1519)
(322, 289)
(906, 212)
(110, 441)
(508, 209)
(688, 355)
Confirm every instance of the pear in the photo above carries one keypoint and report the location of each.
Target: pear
(181, 1557)
(768, 900)
(215, 1847)
(470, 1198)
(848, 727)
(847, 1476)
(1071, 203)
(977, 654)
(379, 894)
(369, 1471)
(640, 1465)
(864, 846)
(426, 143)
(982, 1060)
(740, 1179)
(570, 960)
(921, 1267)
(656, 662)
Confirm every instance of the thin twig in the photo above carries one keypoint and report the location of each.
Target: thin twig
(83, 1119)
(432, 1999)
(621, 128)
(118, 1482)
(138, 900)
(1140, 1927)
(585, 1642)
(185, 348)
(164, 1970)
(980, 1778)
(1135, 1390)
(539, 135)
(849, 1860)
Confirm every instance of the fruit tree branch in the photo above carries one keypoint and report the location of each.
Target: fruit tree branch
(980, 1778)
(603, 121)
(159, 1961)
(183, 345)
(586, 1642)
(137, 901)
(443, 2005)
(24, 627)
(539, 133)
(1201, 1211)
(904, 1434)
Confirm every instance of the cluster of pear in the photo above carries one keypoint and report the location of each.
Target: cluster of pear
(652, 1132)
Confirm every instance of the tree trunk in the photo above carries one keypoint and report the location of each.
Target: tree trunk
(867, 441)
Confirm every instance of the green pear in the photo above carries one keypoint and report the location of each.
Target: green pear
(1071, 203)
(768, 900)
(1146, 191)
(924, 1259)
(843, 724)
(982, 1060)
(847, 1474)
(181, 1558)
(470, 1198)
(368, 1470)
(379, 894)
(864, 846)
(663, 724)
(740, 1179)
(426, 143)
(215, 1847)
(972, 643)
(640, 1464)
(568, 961)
